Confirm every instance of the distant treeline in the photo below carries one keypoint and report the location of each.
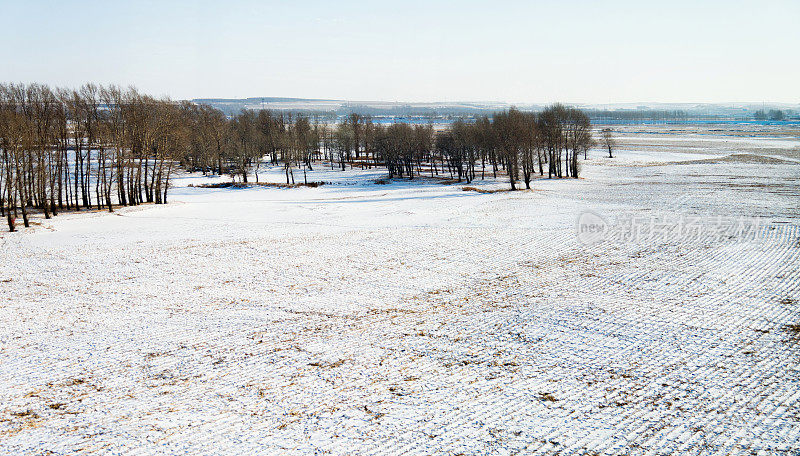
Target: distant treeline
(333, 110)
(600, 116)
(231, 109)
(636, 115)
(772, 114)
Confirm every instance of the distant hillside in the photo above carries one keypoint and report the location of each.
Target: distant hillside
(344, 107)
(256, 100)
(617, 111)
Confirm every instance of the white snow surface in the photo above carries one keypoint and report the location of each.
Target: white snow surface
(410, 318)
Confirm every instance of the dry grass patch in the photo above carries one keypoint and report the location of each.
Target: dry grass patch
(257, 184)
(794, 330)
(483, 190)
(547, 397)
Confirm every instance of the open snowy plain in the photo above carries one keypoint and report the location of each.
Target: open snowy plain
(417, 318)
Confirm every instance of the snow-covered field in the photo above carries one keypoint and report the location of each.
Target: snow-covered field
(417, 318)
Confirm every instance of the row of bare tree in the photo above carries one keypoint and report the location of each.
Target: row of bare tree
(519, 144)
(89, 148)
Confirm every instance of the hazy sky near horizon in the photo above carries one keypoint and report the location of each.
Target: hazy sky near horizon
(513, 51)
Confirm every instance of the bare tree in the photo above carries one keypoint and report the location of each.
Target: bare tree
(608, 141)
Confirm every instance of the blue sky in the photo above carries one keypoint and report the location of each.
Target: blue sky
(534, 51)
